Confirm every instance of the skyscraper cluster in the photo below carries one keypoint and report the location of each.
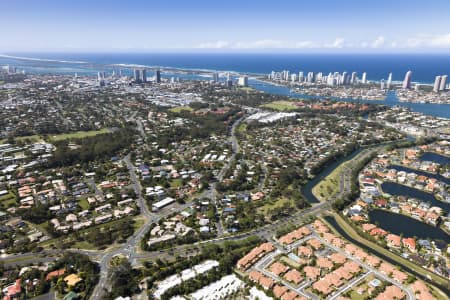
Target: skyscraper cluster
(440, 83)
(332, 79)
(140, 75)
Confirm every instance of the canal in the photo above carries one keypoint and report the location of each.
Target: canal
(437, 158)
(307, 188)
(420, 172)
(409, 227)
(396, 189)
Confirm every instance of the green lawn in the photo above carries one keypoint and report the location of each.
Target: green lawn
(179, 109)
(77, 135)
(290, 262)
(32, 138)
(7, 200)
(281, 105)
(273, 204)
(84, 204)
(176, 183)
(242, 128)
(328, 186)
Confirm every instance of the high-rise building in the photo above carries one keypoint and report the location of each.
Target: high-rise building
(437, 84)
(382, 84)
(144, 75)
(389, 81)
(344, 78)
(364, 78)
(443, 82)
(407, 80)
(354, 78)
(310, 77)
(137, 75)
(158, 76)
(229, 80)
(301, 77)
(293, 77)
(243, 81)
(216, 77)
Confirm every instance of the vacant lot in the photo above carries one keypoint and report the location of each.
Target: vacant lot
(77, 135)
(180, 109)
(281, 105)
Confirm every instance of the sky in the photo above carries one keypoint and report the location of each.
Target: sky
(381, 26)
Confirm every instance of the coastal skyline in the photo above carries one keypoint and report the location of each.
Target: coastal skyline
(231, 26)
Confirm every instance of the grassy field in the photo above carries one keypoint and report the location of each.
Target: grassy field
(7, 200)
(246, 89)
(281, 105)
(273, 204)
(329, 186)
(33, 138)
(70, 237)
(242, 128)
(290, 262)
(84, 204)
(176, 183)
(401, 261)
(179, 109)
(77, 135)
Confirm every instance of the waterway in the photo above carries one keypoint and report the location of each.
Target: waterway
(396, 189)
(437, 110)
(332, 221)
(437, 158)
(307, 188)
(409, 227)
(420, 172)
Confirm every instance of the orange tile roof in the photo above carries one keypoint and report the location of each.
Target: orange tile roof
(324, 262)
(304, 251)
(393, 240)
(293, 276)
(278, 268)
(372, 261)
(399, 276)
(316, 244)
(254, 255)
(390, 293)
(294, 235)
(311, 272)
(291, 295)
(260, 278)
(279, 290)
(322, 286)
(386, 268)
(55, 273)
(338, 258)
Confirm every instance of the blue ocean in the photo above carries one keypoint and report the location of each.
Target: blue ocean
(377, 66)
(424, 66)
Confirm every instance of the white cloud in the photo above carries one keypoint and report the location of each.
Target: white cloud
(338, 43)
(429, 41)
(414, 42)
(214, 45)
(305, 45)
(261, 44)
(378, 42)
